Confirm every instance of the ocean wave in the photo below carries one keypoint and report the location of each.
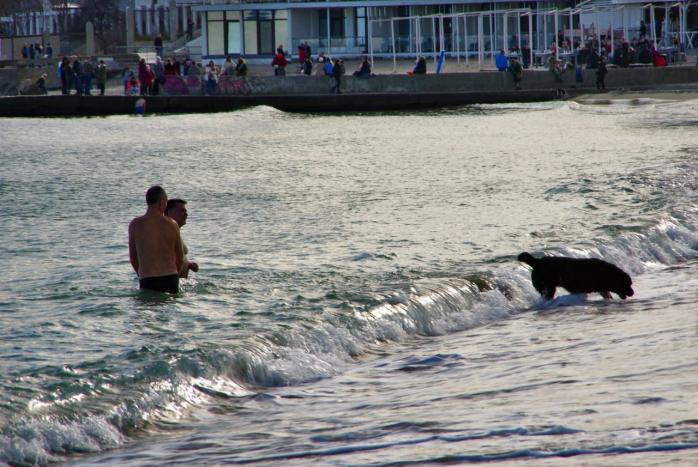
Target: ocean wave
(164, 384)
(451, 438)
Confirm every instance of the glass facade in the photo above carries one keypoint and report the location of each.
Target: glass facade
(248, 32)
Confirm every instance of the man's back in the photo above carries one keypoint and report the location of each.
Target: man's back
(157, 245)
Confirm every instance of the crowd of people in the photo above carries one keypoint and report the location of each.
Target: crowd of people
(148, 78)
(80, 75)
(591, 54)
(36, 51)
(323, 65)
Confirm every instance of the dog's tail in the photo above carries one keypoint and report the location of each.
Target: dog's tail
(527, 258)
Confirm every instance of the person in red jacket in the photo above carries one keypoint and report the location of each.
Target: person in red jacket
(279, 63)
(302, 54)
(143, 76)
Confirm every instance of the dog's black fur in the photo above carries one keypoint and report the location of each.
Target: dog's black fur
(577, 275)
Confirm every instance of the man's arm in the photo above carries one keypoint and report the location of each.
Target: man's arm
(132, 253)
(179, 249)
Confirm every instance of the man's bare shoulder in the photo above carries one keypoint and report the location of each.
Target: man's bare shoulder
(171, 223)
(136, 222)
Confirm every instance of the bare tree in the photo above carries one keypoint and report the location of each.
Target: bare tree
(105, 16)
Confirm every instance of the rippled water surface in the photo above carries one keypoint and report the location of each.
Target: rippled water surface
(359, 299)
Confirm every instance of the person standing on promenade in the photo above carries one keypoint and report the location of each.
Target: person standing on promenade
(302, 54)
(177, 210)
(158, 70)
(143, 76)
(279, 62)
(65, 73)
(337, 72)
(77, 74)
(86, 76)
(170, 69)
(158, 45)
(516, 71)
(500, 61)
(554, 68)
(601, 75)
(327, 67)
(155, 246)
(101, 77)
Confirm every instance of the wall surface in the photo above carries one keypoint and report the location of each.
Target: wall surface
(8, 81)
(490, 81)
(312, 94)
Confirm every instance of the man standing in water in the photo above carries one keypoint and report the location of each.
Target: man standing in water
(154, 245)
(177, 210)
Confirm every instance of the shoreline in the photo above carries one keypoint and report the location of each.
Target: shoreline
(90, 106)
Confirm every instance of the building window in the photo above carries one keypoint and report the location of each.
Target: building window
(215, 28)
(336, 22)
(250, 25)
(264, 31)
(281, 27)
(233, 31)
(361, 27)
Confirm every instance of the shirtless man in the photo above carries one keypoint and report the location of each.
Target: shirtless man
(154, 245)
(177, 210)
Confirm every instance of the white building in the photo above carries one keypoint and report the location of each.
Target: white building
(383, 27)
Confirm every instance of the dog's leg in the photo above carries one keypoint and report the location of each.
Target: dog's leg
(549, 292)
(606, 294)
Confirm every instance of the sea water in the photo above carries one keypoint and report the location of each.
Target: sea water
(358, 299)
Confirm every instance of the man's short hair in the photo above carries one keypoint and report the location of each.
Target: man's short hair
(154, 195)
(171, 203)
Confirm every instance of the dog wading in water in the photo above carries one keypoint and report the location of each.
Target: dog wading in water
(577, 275)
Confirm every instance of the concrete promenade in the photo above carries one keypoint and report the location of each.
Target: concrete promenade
(380, 92)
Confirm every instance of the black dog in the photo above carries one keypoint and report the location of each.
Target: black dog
(577, 275)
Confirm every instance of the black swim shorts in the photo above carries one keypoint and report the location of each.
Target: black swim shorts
(168, 284)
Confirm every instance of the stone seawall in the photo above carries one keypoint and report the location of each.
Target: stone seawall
(78, 106)
(485, 81)
(8, 81)
(380, 92)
